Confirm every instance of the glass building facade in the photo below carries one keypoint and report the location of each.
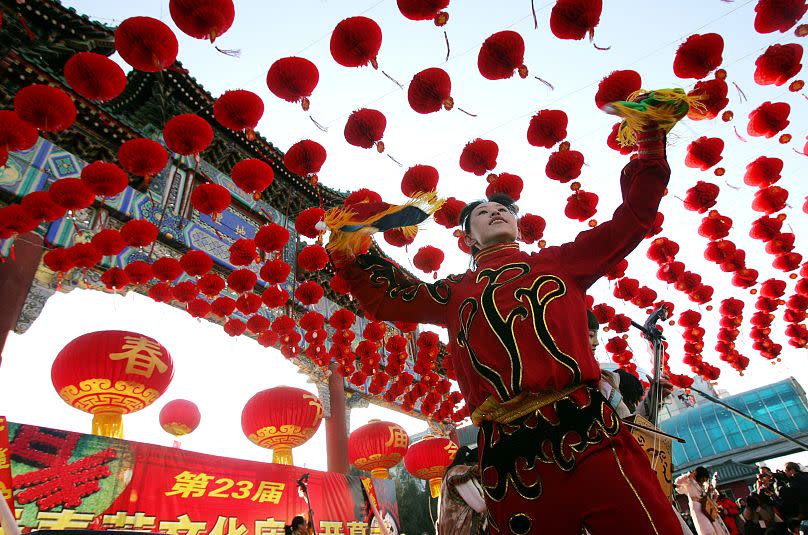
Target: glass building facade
(712, 430)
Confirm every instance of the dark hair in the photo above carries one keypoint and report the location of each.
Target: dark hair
(296, 522)
(702, 474)
(630, 388)
(465, 455)
(592, 321)
(793, 466)
(465, 213)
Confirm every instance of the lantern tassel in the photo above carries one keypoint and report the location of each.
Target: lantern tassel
(399, 84)
(318, 125)
(233, 53)
(535, 20)
(282, 455)
(107, 424)
(448, 49)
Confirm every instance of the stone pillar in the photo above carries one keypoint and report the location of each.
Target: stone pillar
(16, 277)
(336, 425)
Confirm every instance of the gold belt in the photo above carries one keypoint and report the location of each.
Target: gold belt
(505, 412)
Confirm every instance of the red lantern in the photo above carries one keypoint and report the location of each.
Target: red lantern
(698, 56)
(115, 278)
(15, 134)
(312, 258)
(280, 419)
(187, 134)
(274, 297)
(185, 291)
(71, 194)
(531, 228)
(84, 255)
(40, 206)
(419, 179)
(428, 259)
(564, 165)
(613, 143)
(763, 172)
(275, 271)
(104, 179)
(425, 10)
(139, 272)
(429, 458)
(547, 128)
(139, 233)
(239, 110)
(365, 128)
(253, 176)
(575, 19)
(223, 306)
(618, 85)
(243, 252)
(202, 19)
(45, 108)
(57, 260)
(713, 95)
(94, 76)
(197, 263)
(362, 195)
(355, 42)
(704, 152)
(179, 417)
(242, 280)
(142, 157)
(305, 158)
(111, 373)
(293, 79)
(166, 268)
(211, 199)
(398, 237)
(778, 63)
(234, 327)
(768, 119)
(377, 446)
(506, 184)
(271, 237)
(430, 90)
(308, 222)
(210, 284)
(701, 197)
(770, 200)
(581, 205)
(309, 293)
(146, 44)
(501, 54)
(448, 215)
(774, 15)
(257, 323)
(479, 156)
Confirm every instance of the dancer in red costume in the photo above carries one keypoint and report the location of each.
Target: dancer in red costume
(553, 455)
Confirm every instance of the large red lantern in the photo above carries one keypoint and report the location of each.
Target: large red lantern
(280, 419)
(111, 373)
(146, 44)
(429, 458)
(377, 447)
(179, 417)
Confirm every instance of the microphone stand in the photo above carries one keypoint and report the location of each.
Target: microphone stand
(655, 338)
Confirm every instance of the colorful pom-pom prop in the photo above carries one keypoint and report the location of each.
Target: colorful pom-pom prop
(662, 107)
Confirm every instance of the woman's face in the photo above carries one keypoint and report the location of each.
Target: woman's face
(491, 223)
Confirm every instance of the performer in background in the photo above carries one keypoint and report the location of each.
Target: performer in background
(703, 510)
(529, 377)
(462, 504)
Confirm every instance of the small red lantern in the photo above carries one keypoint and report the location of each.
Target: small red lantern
(365, 128)
(501, 54)
(547, 128)
(419, 179)
(768, 119)
(142, 157)
(778, 64)
(429, 458)
(197, 263)
(239, 110)
(253, 176)
(425, 10)
(211, 199)
(146, 44)
(698, 56)
(377, 446)
(15, 134)
(271, 237)
(293, 79)
(179, 417)
(428, 259)
(713, 94)
(355, 42)
(94, 76)
(45, 108)
(111, 373)
(430, 90)
(187, 134)
(531, 228)
(479, 156)
(71, 194)
(575, 19)
(704, 152)
(139, 233)
(280, 419)
(778, 15)
(448, 215)
(104, 179)
(618, 85)
(305, 158)
(564, 165)
(202, 19)
(505, 183)
(308, 223)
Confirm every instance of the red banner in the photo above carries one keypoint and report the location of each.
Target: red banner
(5, 464)
(65, 480)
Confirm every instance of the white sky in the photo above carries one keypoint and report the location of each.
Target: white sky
(220, 373)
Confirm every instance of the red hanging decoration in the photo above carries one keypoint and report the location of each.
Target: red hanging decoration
(531, 228)
(430, 90)
(196, 263)
(581, 205)
(365, 128)
(242, 280)
(202, 19)
(763, 172)
(308, 222)
(428, 259)
(362, 195)
(618, 85)
(239, 110)
(71, 194)
(14, 219)
(234, 327)
(505, 183)
(425, 10)
(305, 158)
(770, 200)
(179, 417)
(309, 293)
(564, 165)
(479, 156)
(501, 54)
(778, 64)
(104, 179)
(248, 303)
(252, 176)
(355, 42)
(185, 291)
(187, 134)
(698, 56)
(274, 297)
(139, 272)
(257, 324)
(293, 79)
(142, 157)
(40, 206)
(547, 128)
(419, 179)
(84, 255)
(312, 258)
(94, 76)
(139, 233)
(701, 197)
(778, 15)
(448, 215)
(243, 252)
(400, 237)
(271, 237)
(46, 108)
(146, 44)
(575, 19)
(15, 134)
(768, 119)
(210, 285)
(166, 269)
(58, 260)
(613, 143)
(223, 306)
(704, 152)
(211, 199)
(713, 95)
(275, 271)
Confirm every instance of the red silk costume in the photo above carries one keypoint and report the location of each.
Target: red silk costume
(517, 324)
